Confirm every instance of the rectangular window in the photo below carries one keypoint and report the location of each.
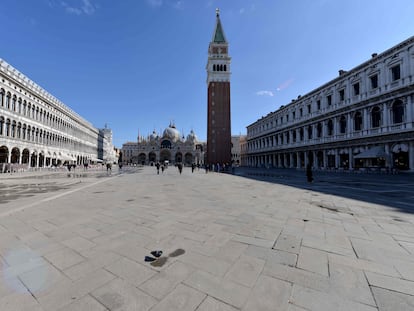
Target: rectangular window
(396, 73)
(329, 99)
(374, 81)
(293, 115)
(341, 95)
(318, 104)
(287, 118)
(300, 112)
(356, 89)
(309, 108)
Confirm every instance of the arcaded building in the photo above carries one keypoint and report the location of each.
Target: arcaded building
(37, 130)
(361, 120)
(169, 146)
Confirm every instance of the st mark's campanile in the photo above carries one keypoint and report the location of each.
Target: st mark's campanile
(218, 98)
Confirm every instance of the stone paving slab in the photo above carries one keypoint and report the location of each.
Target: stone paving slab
(229, 243)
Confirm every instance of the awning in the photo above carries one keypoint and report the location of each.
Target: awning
(96, 160)
(372, 153)
(66, 158)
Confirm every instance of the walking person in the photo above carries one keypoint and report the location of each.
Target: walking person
(109, 168)
(157, 165)
(180, 167)
(309, 174)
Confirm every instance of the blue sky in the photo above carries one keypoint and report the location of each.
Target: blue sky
(136, 65)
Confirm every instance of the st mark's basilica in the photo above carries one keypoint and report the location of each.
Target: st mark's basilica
(171, 146)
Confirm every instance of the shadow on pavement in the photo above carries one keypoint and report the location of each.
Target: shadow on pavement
(396, 191)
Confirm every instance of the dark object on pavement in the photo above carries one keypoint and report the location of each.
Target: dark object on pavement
(148, 258)
(156, 253)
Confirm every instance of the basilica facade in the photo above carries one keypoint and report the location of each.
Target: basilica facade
(169, 146)
(362, 120)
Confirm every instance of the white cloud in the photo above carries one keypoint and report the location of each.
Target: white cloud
(265, 93)
(84, 7)
(155, 3)
(178, 5)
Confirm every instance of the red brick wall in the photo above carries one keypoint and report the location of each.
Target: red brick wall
(218, 123)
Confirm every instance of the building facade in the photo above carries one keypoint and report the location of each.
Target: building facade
(37, 130)
(170, 146)
(361, 120)
(218, 98)
(237, 142)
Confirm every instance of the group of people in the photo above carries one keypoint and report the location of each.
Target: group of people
(179, 165)
(158, 165)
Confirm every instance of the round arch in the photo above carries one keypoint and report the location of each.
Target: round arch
(188, 158)
(178, 157)
(4, 154)
(165, 155)
(142, 158)
(15, 155)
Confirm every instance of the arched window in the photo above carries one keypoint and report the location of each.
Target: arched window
(310, 132)
(398, 112)
(1, 125)
(319, 130)
(8, 127)
(225, 68)
(342, 125)
(20, 106)
(330, 128)
(221, 67)
(19, 130)
(24, 131)
(375, 117)
(14, 99)
(2, 92)
(214, 67)
(8, 100)
(358, 121)
(13, 129)
(166, 144)
(301, 134)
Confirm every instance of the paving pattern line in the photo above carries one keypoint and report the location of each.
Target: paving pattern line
(21, 208)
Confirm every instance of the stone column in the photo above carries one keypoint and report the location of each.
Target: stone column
(366, 124)
(388, 155)
(291, 159)
(411, 155)
(351, 158)
(315, 159)
(385, 117)
(410, 111)
(336, 159)
(298, 160)
(325, 160)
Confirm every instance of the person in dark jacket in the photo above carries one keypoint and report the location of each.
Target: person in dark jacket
(309, 174)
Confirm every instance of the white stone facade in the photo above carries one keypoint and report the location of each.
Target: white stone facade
(362, 120)
(37, 130)
(170, 146)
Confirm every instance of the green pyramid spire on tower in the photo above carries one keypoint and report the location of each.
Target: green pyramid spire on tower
(218, 32)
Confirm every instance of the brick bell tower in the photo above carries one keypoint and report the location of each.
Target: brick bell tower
(218, 98)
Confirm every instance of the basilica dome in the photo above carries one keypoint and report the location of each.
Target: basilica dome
(153, 136)
(171, 133)
(192, 137)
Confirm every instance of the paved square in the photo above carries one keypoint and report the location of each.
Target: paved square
(250, 241)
